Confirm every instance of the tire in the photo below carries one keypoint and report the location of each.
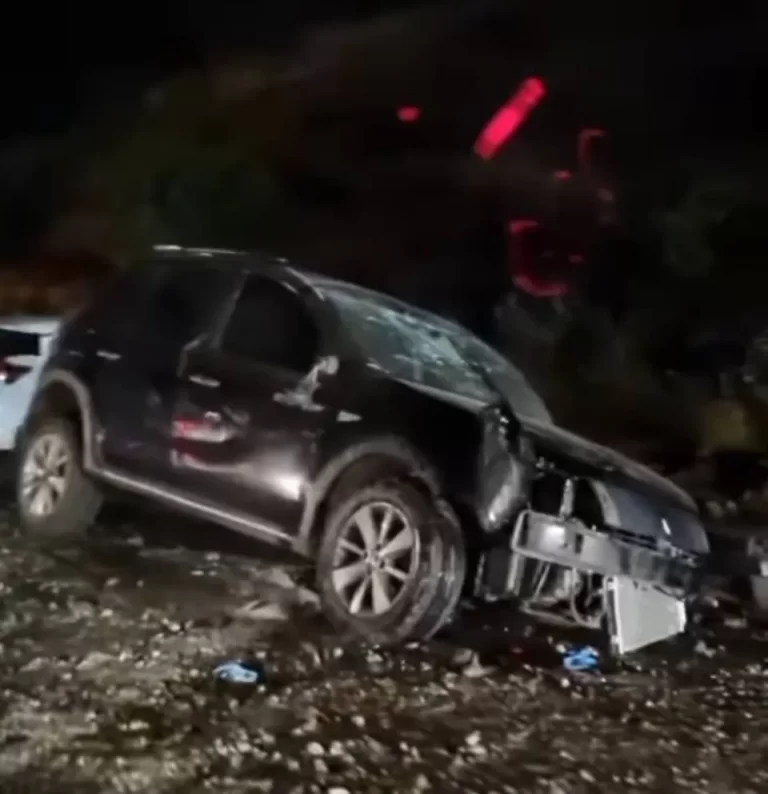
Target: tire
(78, 503)
(759, 588)
(426, 600)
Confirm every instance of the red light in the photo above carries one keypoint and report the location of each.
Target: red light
(563, 175)
(540, 289)
(10, 373)
(522, 266)
(408, 114)
(509, 118)
(185, 428)
(516, 228)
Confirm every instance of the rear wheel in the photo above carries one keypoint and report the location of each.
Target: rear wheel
(56, 500)
(391, 564)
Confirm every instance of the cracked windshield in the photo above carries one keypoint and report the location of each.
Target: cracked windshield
(423, 349)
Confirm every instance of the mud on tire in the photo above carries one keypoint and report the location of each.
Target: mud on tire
(429, 596)
(78, 501)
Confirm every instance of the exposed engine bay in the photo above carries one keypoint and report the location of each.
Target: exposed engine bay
(595, 549)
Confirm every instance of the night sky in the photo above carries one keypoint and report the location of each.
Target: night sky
(682, 76)
(59, 59)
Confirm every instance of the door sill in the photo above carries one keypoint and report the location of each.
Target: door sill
(239, 522)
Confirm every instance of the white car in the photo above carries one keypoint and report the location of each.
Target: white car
(25, 343)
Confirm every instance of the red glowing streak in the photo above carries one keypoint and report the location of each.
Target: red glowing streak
(510, 117)
(408, 114)
(562, 176)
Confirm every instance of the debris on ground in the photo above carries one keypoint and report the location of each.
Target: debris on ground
(580, 659)
(240, 672)
(107, 684)
(702, 648)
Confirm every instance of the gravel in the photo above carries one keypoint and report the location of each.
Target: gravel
(106, 660)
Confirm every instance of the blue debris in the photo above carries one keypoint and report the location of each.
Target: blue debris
(239, 672)
(579, 659)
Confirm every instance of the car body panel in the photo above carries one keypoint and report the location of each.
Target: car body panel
(25, 341)
(582, 450)
(235, 441)
(261, 449)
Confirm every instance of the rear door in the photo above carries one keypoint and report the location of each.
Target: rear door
(241, 441)
(138, 358)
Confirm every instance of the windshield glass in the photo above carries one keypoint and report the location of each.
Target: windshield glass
(427, 350)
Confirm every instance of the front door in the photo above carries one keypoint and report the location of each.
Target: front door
(137, 378)
(243, 440)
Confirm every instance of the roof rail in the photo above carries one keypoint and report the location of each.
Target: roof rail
(165, 248)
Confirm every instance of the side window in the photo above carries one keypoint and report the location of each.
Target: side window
(116, 308)
(271, 325)
(183, 303)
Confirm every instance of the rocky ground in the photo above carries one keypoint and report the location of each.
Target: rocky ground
(106, 671)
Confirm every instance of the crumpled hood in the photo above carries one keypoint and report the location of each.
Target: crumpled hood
(590, 453)
(577, 448)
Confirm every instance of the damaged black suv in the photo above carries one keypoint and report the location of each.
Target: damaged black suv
(412, 463)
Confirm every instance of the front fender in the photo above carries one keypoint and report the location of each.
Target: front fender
(504, 471)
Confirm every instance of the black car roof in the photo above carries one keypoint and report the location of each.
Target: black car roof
(218, 257)
(268, 264)
(247, 260)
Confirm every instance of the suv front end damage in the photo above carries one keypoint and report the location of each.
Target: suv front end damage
(588, 538)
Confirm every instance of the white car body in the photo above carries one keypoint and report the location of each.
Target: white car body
(25, 344)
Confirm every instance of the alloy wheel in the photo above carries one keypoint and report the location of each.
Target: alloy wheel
(44, 475)
(376, 559)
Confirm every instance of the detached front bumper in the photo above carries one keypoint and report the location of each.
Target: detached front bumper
(571, 544)
(645, 582)
(644, 587)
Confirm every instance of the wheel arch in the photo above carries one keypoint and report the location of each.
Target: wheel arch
(60, 393)
(362, 464)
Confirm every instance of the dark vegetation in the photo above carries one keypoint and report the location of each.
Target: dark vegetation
(298, 148)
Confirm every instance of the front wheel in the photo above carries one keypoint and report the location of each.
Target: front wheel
(391, 564)
(55, 498)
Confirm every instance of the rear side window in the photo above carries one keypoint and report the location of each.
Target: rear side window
(270, 325)
(158, 307)
(115, 309)
(184, 302)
